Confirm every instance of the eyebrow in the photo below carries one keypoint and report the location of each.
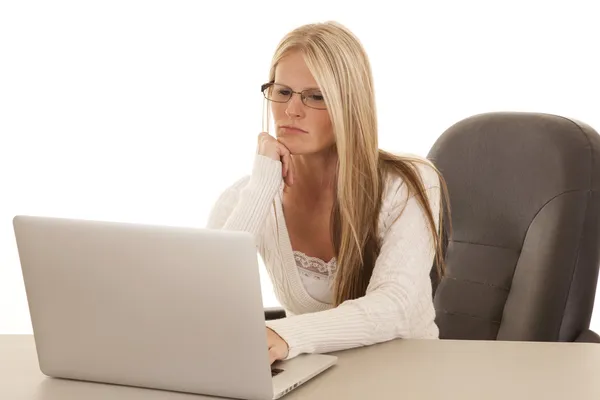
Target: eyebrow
(288, 86)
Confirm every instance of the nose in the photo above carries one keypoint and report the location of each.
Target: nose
(295, 107)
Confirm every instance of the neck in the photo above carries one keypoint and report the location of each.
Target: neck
(314, 177)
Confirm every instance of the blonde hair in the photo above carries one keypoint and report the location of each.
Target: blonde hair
(341, 68)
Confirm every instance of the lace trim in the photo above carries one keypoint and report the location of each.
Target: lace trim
(315, 264)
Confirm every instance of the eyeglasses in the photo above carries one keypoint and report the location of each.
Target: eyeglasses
(282, 94)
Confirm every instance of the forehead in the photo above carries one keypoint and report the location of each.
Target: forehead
(292, 71)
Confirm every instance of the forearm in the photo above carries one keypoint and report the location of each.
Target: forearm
(373, 319)
(247, 209)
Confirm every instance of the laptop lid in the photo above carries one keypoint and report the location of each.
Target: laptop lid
(152, 306)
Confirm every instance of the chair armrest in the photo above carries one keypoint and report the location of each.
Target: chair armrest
(588, 336)
(274, 313)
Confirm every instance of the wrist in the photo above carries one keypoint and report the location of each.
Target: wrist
(282, 342)
(266, 172)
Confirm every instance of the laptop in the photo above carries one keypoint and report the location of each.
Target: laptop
(170, 308)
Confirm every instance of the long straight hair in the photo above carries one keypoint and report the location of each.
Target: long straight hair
(341, 68)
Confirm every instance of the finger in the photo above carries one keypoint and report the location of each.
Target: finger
(262, 137)
(286, 160)
(287, 164)
(291, 171)
(272, 355)
(286, 167)
(259, 141)
(287, 156)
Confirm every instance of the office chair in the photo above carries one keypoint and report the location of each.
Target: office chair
(523, 257)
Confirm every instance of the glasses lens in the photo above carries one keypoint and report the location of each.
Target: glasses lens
(314, 99)
(282, 94)
(278, 93)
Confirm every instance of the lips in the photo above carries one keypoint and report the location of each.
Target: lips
(292, 129)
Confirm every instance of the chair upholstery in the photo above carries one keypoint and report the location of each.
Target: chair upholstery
(272, 313)
(523, 257)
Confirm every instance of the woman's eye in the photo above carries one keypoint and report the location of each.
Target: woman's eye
(284, 92)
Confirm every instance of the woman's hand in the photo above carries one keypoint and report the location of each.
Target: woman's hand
(270, 147)
(278, 348)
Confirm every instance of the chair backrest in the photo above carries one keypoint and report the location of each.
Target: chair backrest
(525, 203)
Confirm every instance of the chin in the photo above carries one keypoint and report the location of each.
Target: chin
(300, 145)
(292, 140)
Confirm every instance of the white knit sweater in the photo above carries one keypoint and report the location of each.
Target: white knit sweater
(398, 302)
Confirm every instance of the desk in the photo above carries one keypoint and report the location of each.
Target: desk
(401, 369)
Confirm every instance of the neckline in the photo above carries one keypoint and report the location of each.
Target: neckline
(312, 258)
(300, 292)
(317, 259)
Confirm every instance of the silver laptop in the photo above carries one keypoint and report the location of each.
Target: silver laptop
(169, 308)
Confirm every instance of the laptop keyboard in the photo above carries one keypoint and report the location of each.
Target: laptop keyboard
(275, 371)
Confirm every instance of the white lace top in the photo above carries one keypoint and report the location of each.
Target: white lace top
(317, 276)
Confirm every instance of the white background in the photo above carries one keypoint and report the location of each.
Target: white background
(144, 111)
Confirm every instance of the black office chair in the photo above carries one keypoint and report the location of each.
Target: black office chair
(525, 250)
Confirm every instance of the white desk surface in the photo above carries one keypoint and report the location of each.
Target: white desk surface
(401, 369)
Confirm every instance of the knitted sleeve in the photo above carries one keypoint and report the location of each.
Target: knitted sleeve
(244, 206)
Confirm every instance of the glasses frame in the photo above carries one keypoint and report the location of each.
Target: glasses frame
(267, 85)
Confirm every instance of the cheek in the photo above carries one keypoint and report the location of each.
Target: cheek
(322, 123)
(278, 111)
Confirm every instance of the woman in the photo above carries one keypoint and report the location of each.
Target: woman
(348, 233)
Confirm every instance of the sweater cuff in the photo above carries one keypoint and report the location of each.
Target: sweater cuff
(256, 196)
(286, 330)
(266, 174)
